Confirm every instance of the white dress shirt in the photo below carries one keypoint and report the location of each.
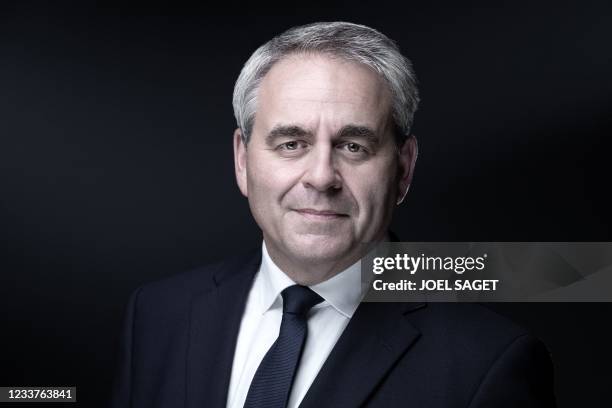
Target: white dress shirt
(261, 324)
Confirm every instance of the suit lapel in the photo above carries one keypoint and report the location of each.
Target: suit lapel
(375, 338)
(215, 322)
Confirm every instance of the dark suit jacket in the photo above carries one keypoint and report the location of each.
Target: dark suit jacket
(180, 335)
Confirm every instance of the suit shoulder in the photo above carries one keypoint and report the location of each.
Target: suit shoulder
(469, 323)
(180, 288)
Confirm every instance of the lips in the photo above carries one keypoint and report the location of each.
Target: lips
(320, 213)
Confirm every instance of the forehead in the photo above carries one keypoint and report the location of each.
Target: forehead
(312, 90)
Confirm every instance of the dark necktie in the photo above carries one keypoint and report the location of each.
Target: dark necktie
(272, 381)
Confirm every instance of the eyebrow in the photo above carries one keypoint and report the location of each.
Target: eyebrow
(359, 132)
(348, 131)
(280, 131)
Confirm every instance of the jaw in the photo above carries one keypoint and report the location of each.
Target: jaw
(313, 258)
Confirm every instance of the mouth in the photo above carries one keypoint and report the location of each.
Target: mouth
(320, 214)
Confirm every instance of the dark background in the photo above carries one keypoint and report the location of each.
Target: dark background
(116, 159)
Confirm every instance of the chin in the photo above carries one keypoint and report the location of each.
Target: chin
(320, 248)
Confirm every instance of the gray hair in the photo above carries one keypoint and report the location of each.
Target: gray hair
(348, 41)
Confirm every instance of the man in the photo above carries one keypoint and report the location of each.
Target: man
(323, 152)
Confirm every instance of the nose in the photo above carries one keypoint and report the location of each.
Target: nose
(322, 174)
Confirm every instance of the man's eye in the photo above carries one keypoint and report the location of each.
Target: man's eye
(354, 148)
(292, 145)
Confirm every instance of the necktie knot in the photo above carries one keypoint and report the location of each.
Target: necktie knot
(299, 299)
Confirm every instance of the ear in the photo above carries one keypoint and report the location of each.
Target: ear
(407, 159)
(240, 161)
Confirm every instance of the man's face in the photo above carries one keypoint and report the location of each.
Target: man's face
(321, 170)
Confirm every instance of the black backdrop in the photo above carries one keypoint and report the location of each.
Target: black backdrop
(116, 163)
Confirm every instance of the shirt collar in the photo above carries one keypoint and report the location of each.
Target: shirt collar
(343, 291)
(273, 281)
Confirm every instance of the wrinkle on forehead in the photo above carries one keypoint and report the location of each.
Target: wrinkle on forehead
(315, 87)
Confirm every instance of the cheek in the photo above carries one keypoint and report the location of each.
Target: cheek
(268, 181)
(373, 190)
